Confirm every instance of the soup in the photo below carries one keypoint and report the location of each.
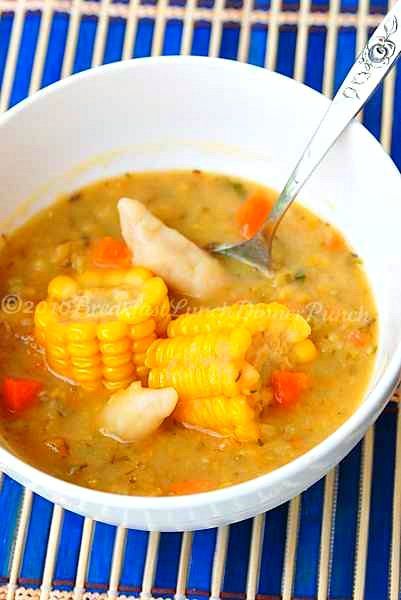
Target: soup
(229, 374)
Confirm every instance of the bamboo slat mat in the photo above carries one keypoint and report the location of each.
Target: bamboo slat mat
(341, 538)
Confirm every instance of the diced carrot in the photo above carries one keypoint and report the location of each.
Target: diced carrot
(20, 394)
(109, 252)
(288, 386)
(335, 242)
(359, 338)
(253, 212)
(190, 486)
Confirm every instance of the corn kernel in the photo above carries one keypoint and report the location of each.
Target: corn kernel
(116, 360)
(139, 359)
(118, 373)
(58, 352)
(113, 386)
(90, 279)
(91, 386)
(135, 314)
(83, 350)
(59, 364)
(143, 329)
(239, 342)
(163, 311)
(154, 291)
(298, 330)
(90, 374)
(57, 334)
(119, 347)
(136, 276)
(81, 332)
(304, 352)
(85, 362)
(142, 344)
(62, 287)
(110, 331)
(43, 314)
(249, 379)
(113, 277)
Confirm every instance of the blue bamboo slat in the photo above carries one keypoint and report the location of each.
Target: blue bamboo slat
(36, 542)
(85, 44)
(114, 40)
(100, 558)
(237, 557)
(10, 501)
(6, 24)
(26, 55)
(55, 49)
(200, 571)
(378, 559)
(345, 526)
(272, 559)
(134, 561)
(68, 551)
(167, 563)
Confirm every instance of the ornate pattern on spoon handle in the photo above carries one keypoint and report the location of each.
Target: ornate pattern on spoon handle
(380, 52)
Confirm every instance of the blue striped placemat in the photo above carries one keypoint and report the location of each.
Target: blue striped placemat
(343, 534)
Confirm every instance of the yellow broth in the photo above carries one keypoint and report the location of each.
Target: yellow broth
(316, 274)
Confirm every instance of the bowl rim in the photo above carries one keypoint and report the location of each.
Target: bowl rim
(370, 407)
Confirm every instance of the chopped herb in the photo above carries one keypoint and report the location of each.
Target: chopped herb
(74, 197)
(85, 239)
(237, 186)
(300, 275)
(355, 258)
(117, 459)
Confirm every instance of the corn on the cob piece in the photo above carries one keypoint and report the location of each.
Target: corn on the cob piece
(105, 347)
(231, 345)
(199, 380)
(273, 318)
(227, 416)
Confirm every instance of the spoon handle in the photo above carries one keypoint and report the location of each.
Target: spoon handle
(372, 65)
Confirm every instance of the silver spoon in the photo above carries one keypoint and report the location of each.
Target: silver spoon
(372, 65)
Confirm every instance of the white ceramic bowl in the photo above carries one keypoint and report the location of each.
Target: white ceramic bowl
(211, 114)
